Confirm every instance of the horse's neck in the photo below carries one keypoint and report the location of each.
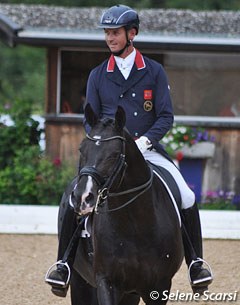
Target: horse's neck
(132, 179)
(137, 168)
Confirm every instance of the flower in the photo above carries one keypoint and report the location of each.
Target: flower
(57, 162)
(180, 136)
(179, 155)
(220, 200)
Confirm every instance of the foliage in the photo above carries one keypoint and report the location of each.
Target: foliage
(181, 135)
(22, 75)
(21, 135)
(183, 4)
(33, 179)
(199, 4)
(27, 176)
(84, 3)
(220, 200)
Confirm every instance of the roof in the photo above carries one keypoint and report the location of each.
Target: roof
(172, 29)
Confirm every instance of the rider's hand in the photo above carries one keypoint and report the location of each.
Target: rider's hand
(143, 144)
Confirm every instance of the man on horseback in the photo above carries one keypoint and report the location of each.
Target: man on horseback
(140, 86)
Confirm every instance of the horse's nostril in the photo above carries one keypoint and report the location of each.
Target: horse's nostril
(89, 197)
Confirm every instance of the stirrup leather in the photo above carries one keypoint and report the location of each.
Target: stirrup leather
(56, 282)
(203, 280)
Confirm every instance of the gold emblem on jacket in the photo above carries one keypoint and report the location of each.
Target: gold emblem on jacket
(148, 105)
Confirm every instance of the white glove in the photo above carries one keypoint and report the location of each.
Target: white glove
(143, 144)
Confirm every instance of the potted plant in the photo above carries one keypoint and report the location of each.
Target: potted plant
(188, 142)
(190, 147)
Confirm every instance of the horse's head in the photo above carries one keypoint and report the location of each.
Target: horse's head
(102, 160)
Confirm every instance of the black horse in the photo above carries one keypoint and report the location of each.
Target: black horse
(135, 247)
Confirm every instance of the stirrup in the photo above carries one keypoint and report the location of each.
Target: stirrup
(56, 282)
(203, 280)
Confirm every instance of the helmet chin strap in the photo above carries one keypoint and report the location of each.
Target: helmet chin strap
(118, 53)
(128, 43)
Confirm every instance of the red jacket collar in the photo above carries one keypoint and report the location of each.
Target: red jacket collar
(139, 61)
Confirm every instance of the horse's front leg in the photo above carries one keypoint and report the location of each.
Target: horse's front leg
(107, 293)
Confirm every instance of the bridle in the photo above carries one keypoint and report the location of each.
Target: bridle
(94, 173)
(105, 183)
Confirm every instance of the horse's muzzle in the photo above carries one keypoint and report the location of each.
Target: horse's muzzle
(85, 209)
(82, 204)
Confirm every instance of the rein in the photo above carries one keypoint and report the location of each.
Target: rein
(144, 187)
(106, 183)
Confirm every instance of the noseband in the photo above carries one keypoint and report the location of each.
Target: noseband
(105, 183)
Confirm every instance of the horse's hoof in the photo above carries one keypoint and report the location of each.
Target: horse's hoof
(60, 292)
(200, 290)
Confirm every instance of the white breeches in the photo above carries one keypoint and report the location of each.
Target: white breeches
(187, 195)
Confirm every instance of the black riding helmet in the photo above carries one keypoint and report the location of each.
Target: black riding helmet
(120, 16)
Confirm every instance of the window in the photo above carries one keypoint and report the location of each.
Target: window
(204, 84)
(75, 66)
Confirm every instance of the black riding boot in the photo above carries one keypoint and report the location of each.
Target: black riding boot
(199, 276)
(68, 242)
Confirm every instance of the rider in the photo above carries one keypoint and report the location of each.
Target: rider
(140, 86)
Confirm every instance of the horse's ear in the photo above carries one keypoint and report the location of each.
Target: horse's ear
(120, 118)
(90, 115)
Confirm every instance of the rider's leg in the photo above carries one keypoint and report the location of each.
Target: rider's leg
(200, 277)
(58, 278)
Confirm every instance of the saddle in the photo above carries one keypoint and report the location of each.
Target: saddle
(170, 185)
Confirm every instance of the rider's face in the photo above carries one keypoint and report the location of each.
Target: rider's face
(116, 39)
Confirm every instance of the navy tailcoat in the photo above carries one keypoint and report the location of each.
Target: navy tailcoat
(144, 96)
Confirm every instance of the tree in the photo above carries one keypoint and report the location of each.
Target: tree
(22, 75)
(197, 4)
(180, 4)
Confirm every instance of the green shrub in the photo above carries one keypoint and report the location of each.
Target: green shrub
(22, 134)
(218, 205)
(27, 176)
(34, 179)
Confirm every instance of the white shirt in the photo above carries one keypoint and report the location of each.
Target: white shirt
(125, 64)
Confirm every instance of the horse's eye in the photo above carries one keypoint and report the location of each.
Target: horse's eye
(111, 158)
